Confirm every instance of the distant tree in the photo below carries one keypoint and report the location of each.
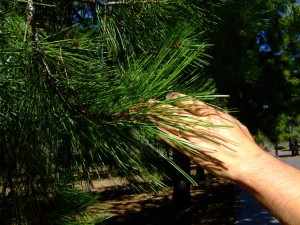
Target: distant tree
(288, 130)
(255, 61)
(282, 61)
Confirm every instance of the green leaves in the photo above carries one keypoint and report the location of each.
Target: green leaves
(154, 76)
(74, 97)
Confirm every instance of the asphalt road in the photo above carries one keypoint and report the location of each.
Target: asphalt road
(249, 211)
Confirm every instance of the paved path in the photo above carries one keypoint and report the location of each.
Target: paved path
(250, 212)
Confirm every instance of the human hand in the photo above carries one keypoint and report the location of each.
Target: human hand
(222, 145)
(213, 139)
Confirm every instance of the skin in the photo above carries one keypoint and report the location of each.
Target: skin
(225, 147)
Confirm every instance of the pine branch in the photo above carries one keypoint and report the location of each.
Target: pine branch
(39, 54)
(105, 4)
(51, 81)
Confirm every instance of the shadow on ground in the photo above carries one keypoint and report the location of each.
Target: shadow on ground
(251, 212)
(213, 203)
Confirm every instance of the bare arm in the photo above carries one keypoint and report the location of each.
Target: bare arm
(275, 184)
(236, 157)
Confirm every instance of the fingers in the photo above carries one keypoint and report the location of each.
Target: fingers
(200, 109)
(202, 148)
(195, 134)
(179, 122)
(185, 125)
(194, 106)
(183, 104)
(170, 114)
(201, 156)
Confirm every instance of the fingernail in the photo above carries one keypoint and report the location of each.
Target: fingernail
(173, 95)
(152, 102)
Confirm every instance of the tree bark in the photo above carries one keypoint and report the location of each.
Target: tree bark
(200, 174)
(181, 193)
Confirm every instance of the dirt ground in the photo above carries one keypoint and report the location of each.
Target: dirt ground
(213, 203)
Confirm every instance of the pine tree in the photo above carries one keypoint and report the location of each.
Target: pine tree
(286, 42)
(250, 60)
(75, 79)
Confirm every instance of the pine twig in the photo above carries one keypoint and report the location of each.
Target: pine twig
(122, 2)
(52, 83)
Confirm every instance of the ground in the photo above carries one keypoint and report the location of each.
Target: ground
(213, 202)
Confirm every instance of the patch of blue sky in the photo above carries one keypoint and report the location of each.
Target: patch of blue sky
(277, 53)
(261, 37)
(262, 42)
(286, 10)
(295, 56)
(265, 48)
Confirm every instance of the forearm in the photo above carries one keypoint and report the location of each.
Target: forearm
(276, 185)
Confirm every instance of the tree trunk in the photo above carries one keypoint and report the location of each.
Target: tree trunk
(200, 174)
(181, 192)
(293, 146)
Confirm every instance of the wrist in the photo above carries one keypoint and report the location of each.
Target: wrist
(273, 183)
(252, 166)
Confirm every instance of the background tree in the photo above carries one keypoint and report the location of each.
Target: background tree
(255, 61)
(280, 51)
(289, 55)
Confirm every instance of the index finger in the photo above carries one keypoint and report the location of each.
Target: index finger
(203, 110)
(194, 106)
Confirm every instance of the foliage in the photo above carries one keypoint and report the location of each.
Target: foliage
(262, 139)
(76, 77)
(74, 95)
(255, 61)
(286, 128)
(285, 46)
